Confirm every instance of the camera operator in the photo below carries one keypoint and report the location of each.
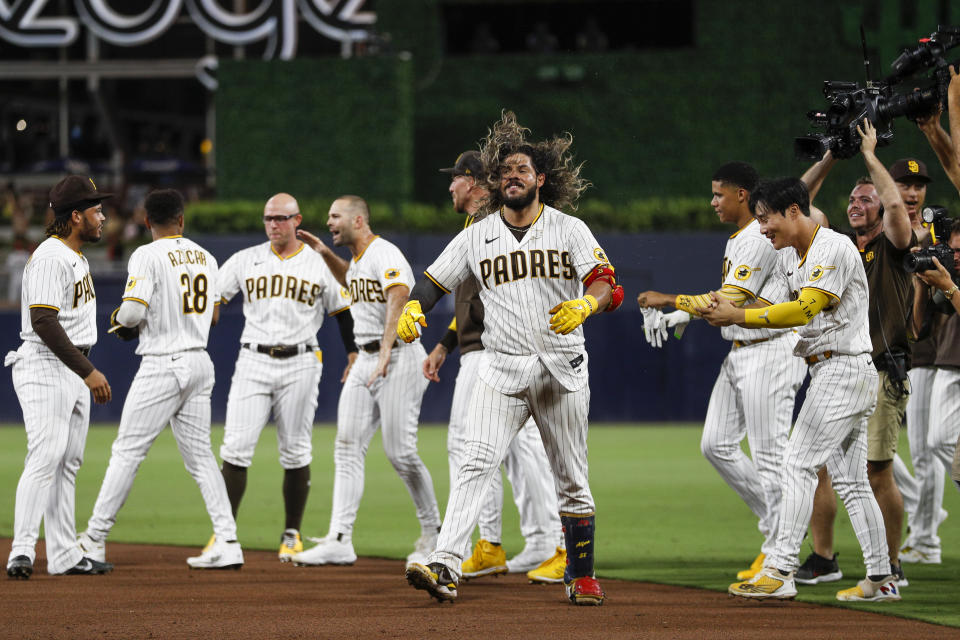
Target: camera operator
(943, 438)
(883, 234)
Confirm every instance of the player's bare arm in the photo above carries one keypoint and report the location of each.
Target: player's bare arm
(337, 265)
(941, 144)
(351, 358)
(396, 298)
(896, 220)
(433, 362)
(940, 279)
(953, 107)
(817, 173)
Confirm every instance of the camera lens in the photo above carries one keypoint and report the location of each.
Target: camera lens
(913, 262)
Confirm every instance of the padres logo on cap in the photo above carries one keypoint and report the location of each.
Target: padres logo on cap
(390, 274)
(743, 272)
(913, 167)
(93, 183)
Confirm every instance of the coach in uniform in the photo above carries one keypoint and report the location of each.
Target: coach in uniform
(286, 294)
(542, 274)
(883, 235)
(383, 387)
(758, 382)
(170, 302)
(829, 306)
(52, 376)
(534, 489)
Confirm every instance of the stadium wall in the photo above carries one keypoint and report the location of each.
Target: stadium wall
(630, 381)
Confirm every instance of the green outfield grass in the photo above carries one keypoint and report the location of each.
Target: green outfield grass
(663, 516)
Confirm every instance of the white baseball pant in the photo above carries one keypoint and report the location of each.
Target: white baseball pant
(170, 389)
(754, 396)
(56, 416)
(394, 403)
(944, 419)
(493, 422)
(288, 387)
(832, 429)
(923, 497)
(526, 465)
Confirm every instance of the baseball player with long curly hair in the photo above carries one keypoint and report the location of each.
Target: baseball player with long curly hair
(53, 379)
(541, 275)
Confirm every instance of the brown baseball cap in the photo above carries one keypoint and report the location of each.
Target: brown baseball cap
(909, 169)
(74, 191)
(468, 164)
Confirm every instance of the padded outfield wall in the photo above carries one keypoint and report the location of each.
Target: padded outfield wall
(629, 380)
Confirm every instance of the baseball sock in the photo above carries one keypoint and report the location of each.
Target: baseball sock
(578, 534)
(236, 480)
(296, 487)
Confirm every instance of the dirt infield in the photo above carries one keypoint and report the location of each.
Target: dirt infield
(152, 594)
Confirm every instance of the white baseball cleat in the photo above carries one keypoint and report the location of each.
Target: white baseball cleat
(222, 555)
(329, 550)
(532, 556)
(867, 590)
(769, 583)
(93, 549)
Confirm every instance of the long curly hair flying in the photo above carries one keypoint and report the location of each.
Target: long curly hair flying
(562, 185)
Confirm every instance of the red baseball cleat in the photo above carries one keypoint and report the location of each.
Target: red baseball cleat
(585, 591)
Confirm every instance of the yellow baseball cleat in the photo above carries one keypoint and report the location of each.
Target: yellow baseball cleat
(551, 570)
(754, 569)
(290, 545)
(768, 584)
(487, 559)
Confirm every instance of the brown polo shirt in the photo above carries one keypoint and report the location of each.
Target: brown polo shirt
(891, 295)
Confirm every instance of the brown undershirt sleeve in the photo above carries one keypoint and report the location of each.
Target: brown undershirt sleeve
(49, 330)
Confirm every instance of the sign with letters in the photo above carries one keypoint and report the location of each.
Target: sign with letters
(27, 23)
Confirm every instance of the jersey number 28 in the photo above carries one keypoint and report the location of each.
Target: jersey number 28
(195, 293)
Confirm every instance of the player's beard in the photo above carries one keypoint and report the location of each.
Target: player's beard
(521, 201)
(90, 232)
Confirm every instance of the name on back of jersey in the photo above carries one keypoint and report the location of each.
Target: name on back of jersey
(278, 286)
(83, 291)
(186, 256)
(533, 263)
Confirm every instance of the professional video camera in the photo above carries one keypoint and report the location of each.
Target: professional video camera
(922, 260)
(878, 101)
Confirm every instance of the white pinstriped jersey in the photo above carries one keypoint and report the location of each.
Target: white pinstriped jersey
(284, 299)
(832, 265)
(177, 281)
(519, 282)
(378, 268)
(749, 261)
(57, 277)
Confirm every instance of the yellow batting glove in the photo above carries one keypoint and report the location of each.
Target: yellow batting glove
(569, 315)
(407, 324)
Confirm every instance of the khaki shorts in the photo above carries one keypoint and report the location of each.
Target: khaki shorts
(883, 429)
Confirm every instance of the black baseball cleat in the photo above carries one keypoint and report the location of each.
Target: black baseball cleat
(88, 567)
(20, 568)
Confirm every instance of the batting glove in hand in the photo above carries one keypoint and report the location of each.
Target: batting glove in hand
(569, 315)
(411, 316)
(124, 333)
(679, 320)
(654, 329)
